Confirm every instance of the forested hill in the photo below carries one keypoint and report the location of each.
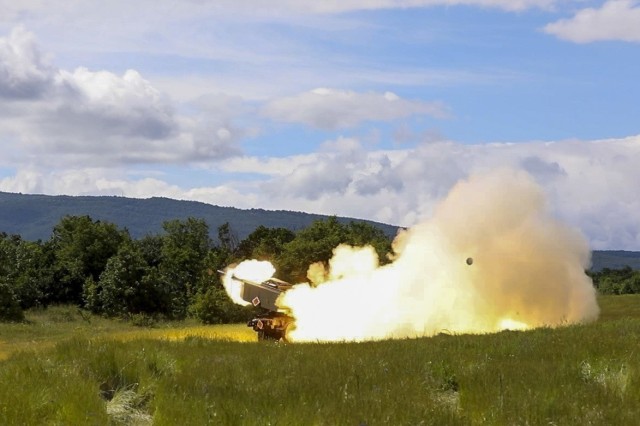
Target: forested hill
(34, 216)
(615, 259)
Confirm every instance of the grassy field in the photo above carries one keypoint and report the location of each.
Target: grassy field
(64, 368)
(45, 328)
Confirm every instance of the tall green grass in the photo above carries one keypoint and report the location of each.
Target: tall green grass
(588, 374)
(619, 307)
(44, 328)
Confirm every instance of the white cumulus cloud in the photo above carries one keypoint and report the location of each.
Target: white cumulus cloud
(59, 118)
(614, 20)
(24, 71)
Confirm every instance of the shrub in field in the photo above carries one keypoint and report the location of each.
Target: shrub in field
(62, 314)
(213, 306)
(143, 320)
(9, 306)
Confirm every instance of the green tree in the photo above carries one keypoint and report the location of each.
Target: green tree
(185, 247)
(9, 306)
(81, 248)
(211, 304)
(632, 284)
(227, 238)
(127, 286)
(24, 266)
(7, 253)
(264, 243)
(316, 243)
(151, 249)
(617, 281)
(34, 276)
(363, 234)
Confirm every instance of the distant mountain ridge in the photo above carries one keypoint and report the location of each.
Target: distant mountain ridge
(615, 259)
(34, 216)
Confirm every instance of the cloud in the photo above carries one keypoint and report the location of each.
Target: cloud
(336, 6)
(215, 30)
(615, 20)
(380, 177)
(593, 186)
(25, 73)
(128, 104)
(59, 118)
(590, 184)
(90, 12)
(331, 109)
(87, 181)
(194, 47)
(545, 171)
(328, 172)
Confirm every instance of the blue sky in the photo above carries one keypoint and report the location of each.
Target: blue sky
(365, 108)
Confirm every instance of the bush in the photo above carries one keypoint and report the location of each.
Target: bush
(127, 287)
(214, 307)
(9, 306)
(143, 320)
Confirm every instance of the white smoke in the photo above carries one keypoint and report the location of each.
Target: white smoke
(527, 271)
(251, 270)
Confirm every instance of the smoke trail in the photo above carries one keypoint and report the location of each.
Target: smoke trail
(527, 270)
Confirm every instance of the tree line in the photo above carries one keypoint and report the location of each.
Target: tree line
(617, 281)
(99, 267)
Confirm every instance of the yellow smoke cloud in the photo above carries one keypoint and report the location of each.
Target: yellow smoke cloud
(527, 271)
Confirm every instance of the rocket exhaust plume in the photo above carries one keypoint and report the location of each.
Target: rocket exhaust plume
(492, 257)
(252, 270)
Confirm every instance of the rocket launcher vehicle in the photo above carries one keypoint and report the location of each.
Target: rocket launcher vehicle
(272, 323)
